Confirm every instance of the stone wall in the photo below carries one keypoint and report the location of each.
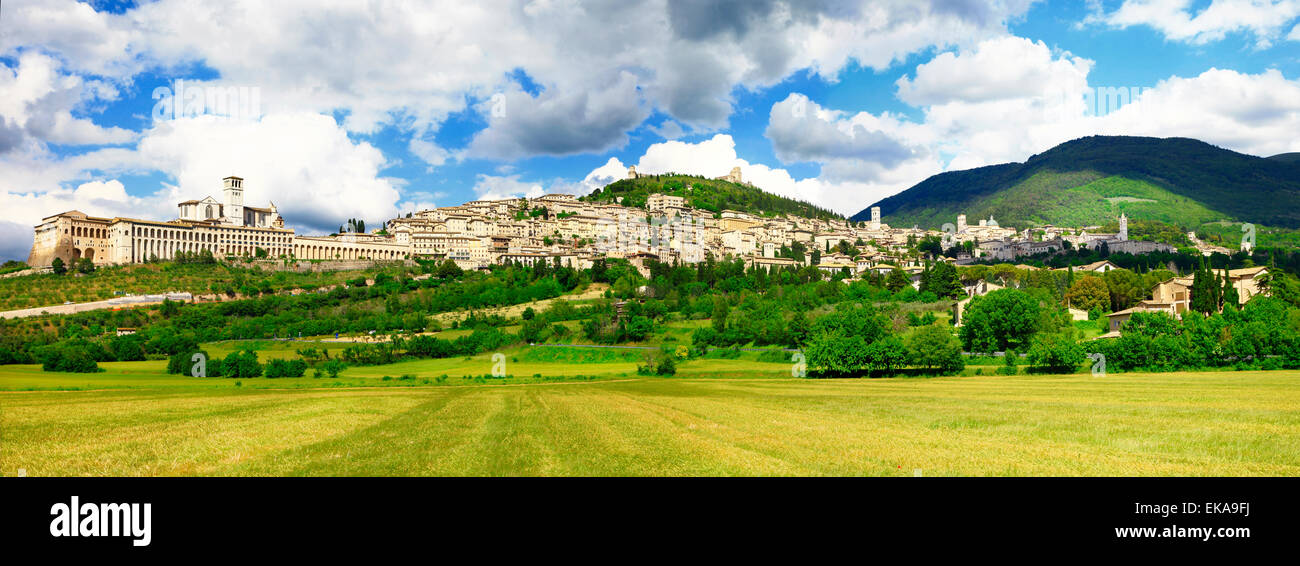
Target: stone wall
(304, 266)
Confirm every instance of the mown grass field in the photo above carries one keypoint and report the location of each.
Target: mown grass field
(719, 417)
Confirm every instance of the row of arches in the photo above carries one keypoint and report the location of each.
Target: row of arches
(89, 232)
(328, 252)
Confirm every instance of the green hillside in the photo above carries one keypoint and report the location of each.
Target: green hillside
(707, 194)
(1091, 180)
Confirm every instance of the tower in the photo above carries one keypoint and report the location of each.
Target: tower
(875, 218)
(961, 223)
(1123, 227)
(631, 172)
(233, 187)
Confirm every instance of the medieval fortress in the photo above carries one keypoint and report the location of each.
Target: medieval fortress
(556, 228)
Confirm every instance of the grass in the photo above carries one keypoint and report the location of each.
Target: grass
(752, 423)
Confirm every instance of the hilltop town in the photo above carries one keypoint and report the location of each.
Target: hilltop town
(560, 229)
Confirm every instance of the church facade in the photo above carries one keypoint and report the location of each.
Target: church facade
(226, 227)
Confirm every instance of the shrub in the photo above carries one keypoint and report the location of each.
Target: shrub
(1055, 353)
(182, 363)
(1009, 368)
(333, 367)
(69, 359)
(128, 348)
(285, 368)
(241, 364)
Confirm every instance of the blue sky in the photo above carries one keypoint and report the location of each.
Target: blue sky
(379, 109)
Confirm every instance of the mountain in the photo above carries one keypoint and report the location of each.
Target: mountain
(1090, 181)
(714, 195)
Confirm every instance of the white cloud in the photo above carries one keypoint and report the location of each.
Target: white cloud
(996, 69)
(611, 171)
(856, 146)
(94, 42)
(976, 113)
(430, 152)
(493, 187)
(1256, 114)
(102, 198)
(716, 156)
(38, 103)
(414, 63)
(586, 121)
(1263, 19)
(305, 163)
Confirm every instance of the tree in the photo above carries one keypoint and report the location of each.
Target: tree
(931, 245)
(241, 364)
(449, 269)
(1000, 320)
(1089, 292)
(941, 279)
(58, 266)
(897, 280)
(85, 265)
(1055, 353)
(835, 354)
(333, 367)
(887, 355)
(719, 316)
(1230, 295)
(127, 348)
(1203, 286)
(936, 349)
(285, 368)
(1126, 288)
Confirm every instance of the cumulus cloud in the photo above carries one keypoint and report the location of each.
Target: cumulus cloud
(496, 187)
(801, 130)
(602, 69)
(38, 104)
(1265, 20)
(716, 156)
(91, 41)
(429, 152)
(413, 64)
(556, 123)
(1256, 114)
(997, 69)
(1004, 100)
(304, 163)
(101, 198)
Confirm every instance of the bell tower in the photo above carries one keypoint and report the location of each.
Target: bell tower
(233, 187)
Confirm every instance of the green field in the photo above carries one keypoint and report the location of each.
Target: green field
(590, 414)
